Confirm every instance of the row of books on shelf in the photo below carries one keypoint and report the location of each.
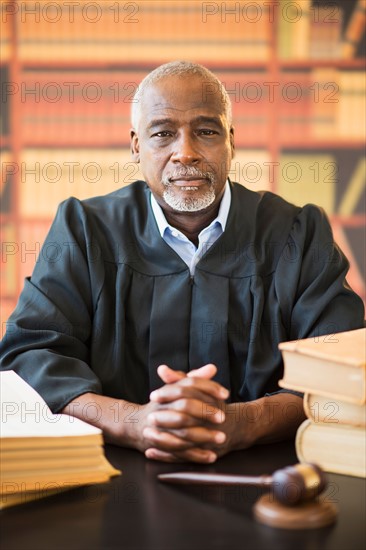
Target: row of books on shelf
(331, 370)
(156, 31)
(46, 176)
(147, 31)
(93, 108)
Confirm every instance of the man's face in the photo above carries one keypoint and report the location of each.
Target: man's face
(183, 143)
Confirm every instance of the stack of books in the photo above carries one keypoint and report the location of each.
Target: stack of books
(42, 453)
(331, 370)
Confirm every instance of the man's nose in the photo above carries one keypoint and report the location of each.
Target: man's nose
(185, 150)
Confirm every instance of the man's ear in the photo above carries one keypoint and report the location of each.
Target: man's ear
(135, 146)
(232, 141)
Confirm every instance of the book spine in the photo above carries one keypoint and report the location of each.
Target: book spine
(50, 176)
(325, 32)
(6, 181)
(299, 183)
(354, 190)
(337, 449)
(299, 447)
(325, 103)
(354, 30)
(301, 36)
(285, 34)
(9, 265)
(328, 411)
(5, 33)
(295, 107)
(351, 108)
(250, 168)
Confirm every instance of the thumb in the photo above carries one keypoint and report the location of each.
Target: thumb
(168, 375)
(207, 371)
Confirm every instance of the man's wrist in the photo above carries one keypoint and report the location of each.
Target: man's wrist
(240, 432)
(264, 420)
(119, 420)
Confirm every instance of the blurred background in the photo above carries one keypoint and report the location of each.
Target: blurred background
(294, 72)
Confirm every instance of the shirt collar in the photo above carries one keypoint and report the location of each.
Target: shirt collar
(221, 216)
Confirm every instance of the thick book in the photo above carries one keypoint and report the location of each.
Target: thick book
(333, 365)
(325, 33)
(331, 411)
(43, 453)
(354, 31)
(339, 449)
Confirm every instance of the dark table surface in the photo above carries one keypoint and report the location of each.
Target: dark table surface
(136, 512)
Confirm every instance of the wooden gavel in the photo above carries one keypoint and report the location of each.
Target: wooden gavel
(291, 485)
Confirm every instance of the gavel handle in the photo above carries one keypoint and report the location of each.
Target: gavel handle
(203, 478)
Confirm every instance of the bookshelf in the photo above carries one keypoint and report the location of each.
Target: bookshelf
(294, 72)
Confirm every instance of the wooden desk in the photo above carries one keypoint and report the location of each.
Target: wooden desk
(136, 512)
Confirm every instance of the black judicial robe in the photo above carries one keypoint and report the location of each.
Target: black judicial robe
(109, 300)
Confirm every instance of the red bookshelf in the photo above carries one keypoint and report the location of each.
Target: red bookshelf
(268, 130)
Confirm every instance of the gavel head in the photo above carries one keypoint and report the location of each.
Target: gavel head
(299, 483)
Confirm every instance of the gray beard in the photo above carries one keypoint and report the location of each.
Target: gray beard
(191, 203)
(188, 204)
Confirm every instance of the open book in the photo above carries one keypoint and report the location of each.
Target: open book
(42, 453)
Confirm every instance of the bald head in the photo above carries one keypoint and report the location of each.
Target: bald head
(211, 85)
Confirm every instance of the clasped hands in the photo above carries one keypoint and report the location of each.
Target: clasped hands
(185, 419)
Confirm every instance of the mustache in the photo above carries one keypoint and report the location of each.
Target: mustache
(189, 171)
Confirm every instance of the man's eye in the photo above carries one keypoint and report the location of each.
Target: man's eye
(207, 132)
(164, 133)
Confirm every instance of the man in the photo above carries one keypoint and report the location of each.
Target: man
(160, 322)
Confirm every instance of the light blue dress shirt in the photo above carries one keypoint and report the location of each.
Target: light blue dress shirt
(189, 253)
